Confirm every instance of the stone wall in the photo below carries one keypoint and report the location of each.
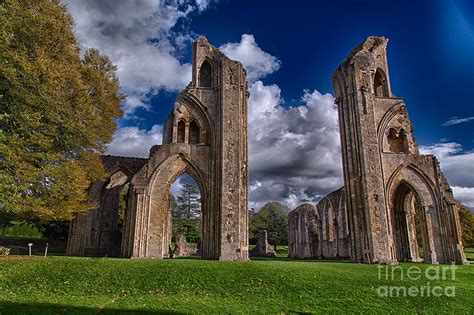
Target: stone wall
(391, 189)
(99, 232)
(320, 232)
(262, 248)
(204, 136)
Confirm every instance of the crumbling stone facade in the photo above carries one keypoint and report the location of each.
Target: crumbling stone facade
(98, 232)
(320, 232)
(262, 248)
(396, 204)
(205, 136)
(183, 248)
(399, 205)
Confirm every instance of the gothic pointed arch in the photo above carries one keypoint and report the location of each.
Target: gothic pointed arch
(414, 210)
(194, 132)
(205, 74)
(380, 83)
(379, 152)
(189, 123)
(159, 237)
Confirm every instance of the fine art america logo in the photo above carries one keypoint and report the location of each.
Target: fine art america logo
(417, 282)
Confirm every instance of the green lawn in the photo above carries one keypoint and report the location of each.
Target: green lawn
(469, 254)
(105, 285)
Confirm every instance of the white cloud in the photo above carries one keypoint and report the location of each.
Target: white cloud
(294, 152)
(179, 183)
(177, 187)
(457, 166)
(441, 150)
(456, 120)
(203, 4)
(135, 142)
(138, 37)
(257, 62)
(465, 195)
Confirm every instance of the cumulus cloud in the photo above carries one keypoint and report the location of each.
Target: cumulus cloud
(138, 37)
(257, 62)
(177, 186)
(294, 152)
(457, 166)
(457, 120)
(179, 183)
(465, 195)
(135, 142)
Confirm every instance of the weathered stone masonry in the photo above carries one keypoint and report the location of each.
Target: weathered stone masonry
(206, 137)
(395, 205)
(321, 231)
(399, 206)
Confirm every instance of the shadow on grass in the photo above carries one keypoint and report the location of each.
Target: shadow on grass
(50, 308)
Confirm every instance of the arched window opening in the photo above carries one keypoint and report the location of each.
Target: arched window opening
(181, 131)
(380, 84)
(205, 75)
(397, 141)
(403, 141)
(185, 219)
(194, 132)
(408, 223)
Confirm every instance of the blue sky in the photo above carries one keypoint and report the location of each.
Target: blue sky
(298, 46)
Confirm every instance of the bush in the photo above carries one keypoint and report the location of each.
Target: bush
(4, 251)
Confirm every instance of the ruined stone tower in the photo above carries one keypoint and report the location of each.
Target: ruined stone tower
(205, 136)
(399, 204)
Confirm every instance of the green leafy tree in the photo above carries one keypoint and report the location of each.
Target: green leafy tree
(467, 222)
(56, 112)
(272, 217)
(186, 214)
(6, 220)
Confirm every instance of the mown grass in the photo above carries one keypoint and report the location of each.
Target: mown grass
(85, 285)
(469, 254)
(282, 250)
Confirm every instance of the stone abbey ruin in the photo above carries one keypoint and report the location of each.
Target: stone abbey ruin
(205, 136)
(395, 205)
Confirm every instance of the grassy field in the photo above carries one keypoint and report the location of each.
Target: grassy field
(470, 254)
(105, 285)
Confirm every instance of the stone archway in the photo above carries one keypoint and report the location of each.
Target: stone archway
(205, 136)
(408, 223)
(159, 225)
(99, 232)
(413, 216)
